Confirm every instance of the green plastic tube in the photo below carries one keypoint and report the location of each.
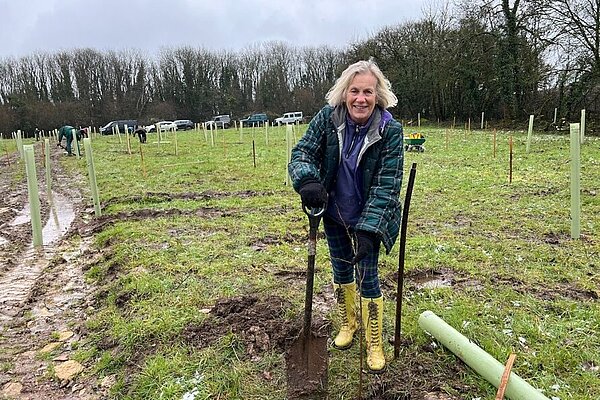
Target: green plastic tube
(34, 196)
(48, 168)
(529, 133)
(19, 141)
(87, 145)
(477, 358)
(575, 181)
(582, 126)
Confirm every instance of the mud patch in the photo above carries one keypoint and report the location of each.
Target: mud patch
(417, 375)
(161, 197)
(445, 278)
(323, 301)
(427, 279)
(532, 191)
(554, 238)
(430, 279)
(563, 289)
(101, 223)
(259, 323)
(462, 220)
(263, 243)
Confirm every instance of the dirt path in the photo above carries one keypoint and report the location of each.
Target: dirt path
(43, 296)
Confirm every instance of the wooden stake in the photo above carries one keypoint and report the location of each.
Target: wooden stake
(494, 142)
(7, 154)
(176, 147)
(142, 161)
(253, 153)
(510, 158)
(446, 132)
(128, 140)
(505, 376)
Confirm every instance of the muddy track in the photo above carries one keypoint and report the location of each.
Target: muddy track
(43, 296)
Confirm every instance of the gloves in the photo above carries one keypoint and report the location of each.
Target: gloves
(365, 243)
(313, 194)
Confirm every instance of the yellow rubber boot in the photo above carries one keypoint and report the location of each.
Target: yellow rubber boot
(345, 294)
(372, 315)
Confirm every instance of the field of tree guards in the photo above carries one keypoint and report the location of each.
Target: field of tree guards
(186, 279)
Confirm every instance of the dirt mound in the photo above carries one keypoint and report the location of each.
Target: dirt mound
(259, 322)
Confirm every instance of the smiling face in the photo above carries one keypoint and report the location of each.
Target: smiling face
(361, 97)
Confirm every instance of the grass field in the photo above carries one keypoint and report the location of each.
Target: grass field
(493, 259)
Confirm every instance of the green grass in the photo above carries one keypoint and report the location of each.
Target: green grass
(520, 284)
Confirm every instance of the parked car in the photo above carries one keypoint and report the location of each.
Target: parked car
(108, 128)
(255, 120)
(290, 118)
(219, 121)
(163, 125)
(184, 124)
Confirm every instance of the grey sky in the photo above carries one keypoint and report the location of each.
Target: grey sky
(29, 26)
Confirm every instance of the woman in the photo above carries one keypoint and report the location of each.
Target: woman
(350, 159)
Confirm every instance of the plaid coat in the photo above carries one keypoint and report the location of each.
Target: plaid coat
(317, 156)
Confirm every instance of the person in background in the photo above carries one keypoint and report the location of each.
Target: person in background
(350, 161)
(66, 132)
(37, 134)
(81, 134)
(141, 132)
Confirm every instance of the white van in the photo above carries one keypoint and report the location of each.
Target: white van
(290, 118)
(220, 121)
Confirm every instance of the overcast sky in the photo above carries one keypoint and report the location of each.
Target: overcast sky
(30, 26)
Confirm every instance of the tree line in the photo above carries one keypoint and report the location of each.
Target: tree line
(506, 59)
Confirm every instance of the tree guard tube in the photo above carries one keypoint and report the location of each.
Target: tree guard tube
(478, 359)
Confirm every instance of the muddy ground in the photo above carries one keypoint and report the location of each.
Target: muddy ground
(45, 301)
(43, 296)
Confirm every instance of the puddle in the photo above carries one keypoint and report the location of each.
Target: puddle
(23, 217)
(62, 215)
(432, 280)
(17, 283)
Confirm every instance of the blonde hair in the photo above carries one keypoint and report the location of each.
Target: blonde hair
(385, 97)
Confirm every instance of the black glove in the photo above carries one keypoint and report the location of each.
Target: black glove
(313, 194)
(365, 243)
